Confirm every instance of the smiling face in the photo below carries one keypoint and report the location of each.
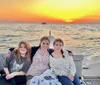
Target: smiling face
(58, 46)
(22, 49)
(44, 44)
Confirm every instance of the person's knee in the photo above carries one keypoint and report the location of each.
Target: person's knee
(76, 80)
(65, 80)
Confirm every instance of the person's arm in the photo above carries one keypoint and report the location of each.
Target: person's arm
(6, 70)
(10, 50)
(13, 74)
(72, 66)
(72, 69)
(18, 73)
(70, 53)
(6, 66)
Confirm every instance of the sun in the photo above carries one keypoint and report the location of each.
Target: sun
(69, 20)
(66, 10)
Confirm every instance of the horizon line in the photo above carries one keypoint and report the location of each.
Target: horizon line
(52, 22)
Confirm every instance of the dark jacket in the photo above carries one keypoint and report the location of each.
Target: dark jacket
(33, 51)
(35, 48)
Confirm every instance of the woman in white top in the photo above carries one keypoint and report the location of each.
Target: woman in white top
(63, 65)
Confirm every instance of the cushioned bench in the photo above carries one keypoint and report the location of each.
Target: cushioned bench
(2, 61)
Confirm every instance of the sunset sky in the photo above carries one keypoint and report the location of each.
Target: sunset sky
(55, 11)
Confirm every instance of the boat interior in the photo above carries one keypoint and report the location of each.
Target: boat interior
(88, 74)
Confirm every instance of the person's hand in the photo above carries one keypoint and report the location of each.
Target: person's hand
(9, 53)
(70, 54)
(70, 76)
(9, 76)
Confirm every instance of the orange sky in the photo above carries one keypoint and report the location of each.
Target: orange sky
(63, 11)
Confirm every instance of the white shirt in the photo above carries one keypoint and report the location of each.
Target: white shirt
(62, 66)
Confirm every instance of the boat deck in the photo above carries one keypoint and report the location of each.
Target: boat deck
(91, 74)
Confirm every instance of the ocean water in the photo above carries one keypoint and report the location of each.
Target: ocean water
(80, 38)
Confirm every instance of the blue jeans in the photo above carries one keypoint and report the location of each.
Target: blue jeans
(66, 81)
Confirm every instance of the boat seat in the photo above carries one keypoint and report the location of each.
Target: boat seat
(2, 62)
(78, 62)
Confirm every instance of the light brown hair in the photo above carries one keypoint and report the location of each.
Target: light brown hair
(58, 40)
(27, 46)
(44, 38)
(61, 41)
